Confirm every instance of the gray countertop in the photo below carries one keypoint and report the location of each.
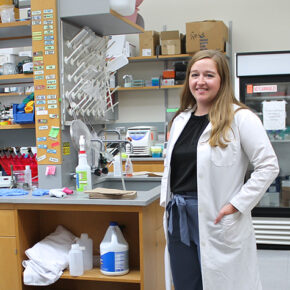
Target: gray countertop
(143, 198)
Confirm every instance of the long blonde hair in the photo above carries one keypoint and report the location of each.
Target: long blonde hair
(221, 112)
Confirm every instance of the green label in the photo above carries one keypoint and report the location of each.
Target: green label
(51, 82)
(36, 33)
(39, 67)
(49, 47)
(82, 180)
(36, 37)
(48, 16)
(50, 66)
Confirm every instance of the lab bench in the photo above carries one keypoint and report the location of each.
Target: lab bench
(25, 220)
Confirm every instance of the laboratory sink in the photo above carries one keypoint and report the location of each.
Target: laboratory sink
(131, 184)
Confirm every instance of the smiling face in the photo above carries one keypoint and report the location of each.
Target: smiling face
(204, 84)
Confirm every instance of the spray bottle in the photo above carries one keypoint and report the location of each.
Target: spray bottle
(83, 170)
(128, 167)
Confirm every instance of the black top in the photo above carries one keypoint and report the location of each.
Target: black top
(183, 160)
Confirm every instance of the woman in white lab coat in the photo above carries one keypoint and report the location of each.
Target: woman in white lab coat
(207, 221)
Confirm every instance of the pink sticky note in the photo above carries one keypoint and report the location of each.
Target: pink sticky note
(50, 170)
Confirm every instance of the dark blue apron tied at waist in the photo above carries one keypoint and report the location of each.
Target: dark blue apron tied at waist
(180, 202)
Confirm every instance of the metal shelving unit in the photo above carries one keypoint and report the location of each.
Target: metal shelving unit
(16, 34)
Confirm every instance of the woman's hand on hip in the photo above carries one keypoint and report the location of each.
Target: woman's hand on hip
(227, 209)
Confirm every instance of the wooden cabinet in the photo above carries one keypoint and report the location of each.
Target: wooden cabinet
(9, 277)
(152, 166)
(144, 165)
(141, 225)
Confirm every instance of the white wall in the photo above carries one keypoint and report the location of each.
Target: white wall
(258, 25)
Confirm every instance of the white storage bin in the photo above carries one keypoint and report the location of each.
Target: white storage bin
(8, 58)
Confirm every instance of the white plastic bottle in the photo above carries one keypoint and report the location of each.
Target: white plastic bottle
(75, 258)
(117, 166)
(27, 177)
(114, 252)
(87, 243)
(83, 170)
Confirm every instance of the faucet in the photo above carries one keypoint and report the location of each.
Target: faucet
(119, 141)
(109, 131)
(100, 141)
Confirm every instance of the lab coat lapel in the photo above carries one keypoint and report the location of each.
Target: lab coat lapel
(181, 121)
(205, 134)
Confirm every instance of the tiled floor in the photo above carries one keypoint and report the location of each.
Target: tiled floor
(274, 269)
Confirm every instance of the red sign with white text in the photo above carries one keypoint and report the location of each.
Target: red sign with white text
(265, 89)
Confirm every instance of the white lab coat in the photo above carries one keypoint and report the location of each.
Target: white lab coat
(228, 249)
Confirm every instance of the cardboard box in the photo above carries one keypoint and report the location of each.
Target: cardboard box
(285, 194)
(148, 42)
(203, 35)
(171, 42)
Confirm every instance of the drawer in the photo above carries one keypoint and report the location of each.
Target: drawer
(7, 223)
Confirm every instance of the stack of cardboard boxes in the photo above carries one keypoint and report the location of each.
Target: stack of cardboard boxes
(199, 36)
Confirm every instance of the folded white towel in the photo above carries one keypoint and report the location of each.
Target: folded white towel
(48, 258)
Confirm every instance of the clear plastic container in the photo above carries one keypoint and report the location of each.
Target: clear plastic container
(87, 243)
(75, 258)
(117, 166)
(156, 151)
(7, 13)
(114, 252)
(9, 69)
(19, 176)
(27, 178)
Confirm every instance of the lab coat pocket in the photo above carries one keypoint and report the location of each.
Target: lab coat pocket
(224, 156)
(236, 228)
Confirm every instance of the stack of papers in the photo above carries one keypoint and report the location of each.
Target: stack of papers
(148, 173)
(109, 193)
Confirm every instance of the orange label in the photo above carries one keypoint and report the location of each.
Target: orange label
(249, 89)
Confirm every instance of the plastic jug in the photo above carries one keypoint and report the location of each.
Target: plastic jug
(75, 258)
(114, 252)
(87, 243)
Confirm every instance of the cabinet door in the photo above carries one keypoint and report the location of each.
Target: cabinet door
(9, 278)
(7, 223)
